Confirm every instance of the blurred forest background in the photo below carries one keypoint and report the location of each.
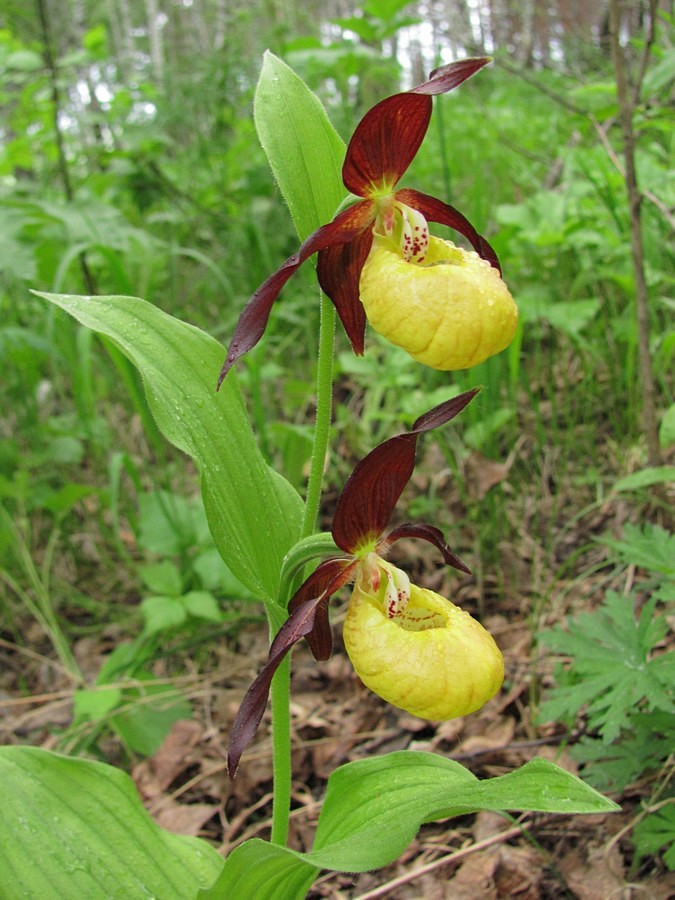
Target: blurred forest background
(129, 164)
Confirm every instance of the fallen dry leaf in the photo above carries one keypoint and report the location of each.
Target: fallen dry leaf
(594, 874)
(496, 735)
(185, 818)
(482, 473)
(475, 878)
(154, 774)
(519, 873)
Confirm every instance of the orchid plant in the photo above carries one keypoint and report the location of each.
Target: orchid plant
(377, 259)
(448, 308)
(411, 646)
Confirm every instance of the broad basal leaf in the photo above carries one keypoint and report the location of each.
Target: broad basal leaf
(253, 513)
(75, 828)
(374, 808)
(258, 869)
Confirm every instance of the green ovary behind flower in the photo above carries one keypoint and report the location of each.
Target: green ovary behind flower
(451, 311)
(433, 660)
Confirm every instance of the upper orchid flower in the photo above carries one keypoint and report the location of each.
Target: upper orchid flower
(411, 646)
(447, 307)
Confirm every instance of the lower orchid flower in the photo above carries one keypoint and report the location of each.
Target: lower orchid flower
(448, 307)
(410, 645)
(416, 649)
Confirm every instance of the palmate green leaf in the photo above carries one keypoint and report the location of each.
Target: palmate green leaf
(171, 525)
(304, 150)
(374, 808)
(643, 746)
(253, 513)
(359, 25)
(385, 10)
(657, 831)
(570, 317)
(650, 547)
(612, 671)
(202, 605)
(76, 828)
(162, 613)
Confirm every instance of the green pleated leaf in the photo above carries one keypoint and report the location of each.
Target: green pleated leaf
(76, 828)
(374, 808)
(258, 869)
(397, 792)
(304, 150)
(254, 514)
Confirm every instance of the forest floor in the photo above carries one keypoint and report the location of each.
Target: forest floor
(335, 720)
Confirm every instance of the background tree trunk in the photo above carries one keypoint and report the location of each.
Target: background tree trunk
(618, 20)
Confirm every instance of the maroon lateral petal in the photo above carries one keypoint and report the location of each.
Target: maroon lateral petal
(308, 617)
(426, 533)
(252, 323)
(245, 725)
(339, 274)
(326, 579)
(435, 210)
(450, 76)
(385, 142)
(372, 490)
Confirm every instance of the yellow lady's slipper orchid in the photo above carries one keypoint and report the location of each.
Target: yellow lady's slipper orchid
(381, 149)
(449, 309)
(409, 645)
(419, 651)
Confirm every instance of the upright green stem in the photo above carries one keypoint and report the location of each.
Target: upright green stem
(280, 694)
(324, 408)
(281, 683)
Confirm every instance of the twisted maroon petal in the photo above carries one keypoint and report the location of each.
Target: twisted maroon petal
(326, 579)
(298, 625)
(346, 226)
(445, 78)
(372, 490)
(253, 705)
(385, 143)
(426, 533)
(436, 211)
(339, 274)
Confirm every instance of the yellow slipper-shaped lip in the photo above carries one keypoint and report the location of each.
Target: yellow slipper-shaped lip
(451, 311)
(433, 660)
